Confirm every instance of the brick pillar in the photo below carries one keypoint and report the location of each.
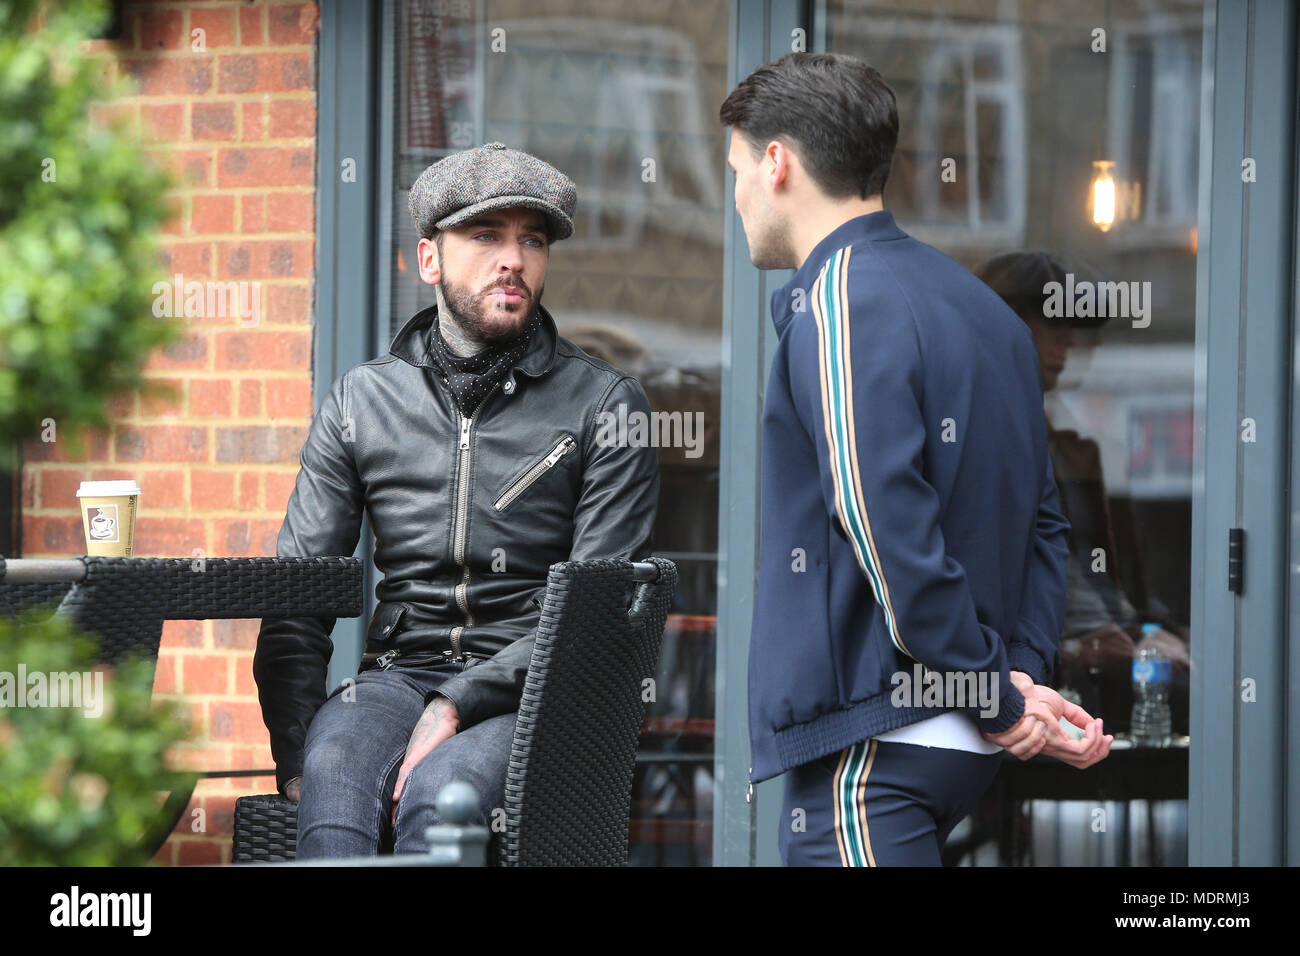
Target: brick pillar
(227, 96)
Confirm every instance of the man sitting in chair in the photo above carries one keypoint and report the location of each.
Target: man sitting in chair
(475, 448)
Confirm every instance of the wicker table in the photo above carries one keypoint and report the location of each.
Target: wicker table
(123, 602)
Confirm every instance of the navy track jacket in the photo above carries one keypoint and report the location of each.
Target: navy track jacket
(909, 511)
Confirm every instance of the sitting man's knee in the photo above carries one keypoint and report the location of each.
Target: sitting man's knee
(432, 775)
(330, 755)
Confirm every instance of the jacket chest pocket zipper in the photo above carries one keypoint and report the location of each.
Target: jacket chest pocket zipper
(562, 448)
(386, 660)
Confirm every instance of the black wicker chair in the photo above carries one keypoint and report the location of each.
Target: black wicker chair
(569, 782)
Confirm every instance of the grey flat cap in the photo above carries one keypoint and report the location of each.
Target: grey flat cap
(492, 176)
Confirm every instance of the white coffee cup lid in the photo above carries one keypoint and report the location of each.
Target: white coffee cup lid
(106, 489)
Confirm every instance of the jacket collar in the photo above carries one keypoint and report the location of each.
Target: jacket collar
(411, 344)
(873, 226)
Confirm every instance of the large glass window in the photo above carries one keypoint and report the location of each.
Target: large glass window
(1059, 140)
(1048, 140)
(623, 98)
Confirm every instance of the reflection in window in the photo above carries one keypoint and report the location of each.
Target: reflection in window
(1017, 95)
(1155, 92)
(962, 117)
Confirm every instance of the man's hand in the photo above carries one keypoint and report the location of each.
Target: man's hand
(1032, 732)
(438, 722)
(1026, 741)
(1089, 749)
(1023, 682)
(293, 789)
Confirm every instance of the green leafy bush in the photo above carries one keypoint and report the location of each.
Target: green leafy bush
(80, 209)
(76, 788)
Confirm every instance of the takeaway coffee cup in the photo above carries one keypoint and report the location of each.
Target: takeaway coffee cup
(108, 516)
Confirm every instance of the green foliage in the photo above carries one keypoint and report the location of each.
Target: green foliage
(78, 789)
(79, 212)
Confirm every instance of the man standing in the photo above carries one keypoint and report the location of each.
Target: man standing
(912, 572)
(473, 449)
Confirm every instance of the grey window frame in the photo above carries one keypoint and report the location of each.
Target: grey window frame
(346, 241)
(1244, 805)
(1241, 811)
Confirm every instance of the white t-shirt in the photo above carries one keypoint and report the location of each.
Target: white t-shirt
(950, 730)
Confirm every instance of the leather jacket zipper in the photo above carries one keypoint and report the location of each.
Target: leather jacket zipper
(462, 518)
(562, 448)
(387, 659)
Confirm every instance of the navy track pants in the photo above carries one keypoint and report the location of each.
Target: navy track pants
(880, 804)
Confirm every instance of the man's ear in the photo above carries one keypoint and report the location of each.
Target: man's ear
(778, 154)
(430, 266)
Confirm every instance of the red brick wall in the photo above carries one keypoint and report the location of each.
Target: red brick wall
(237, 120)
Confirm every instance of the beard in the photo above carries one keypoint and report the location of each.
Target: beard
(769, 244)
(484, 319)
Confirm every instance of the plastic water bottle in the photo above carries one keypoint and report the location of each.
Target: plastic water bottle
(1150, 723)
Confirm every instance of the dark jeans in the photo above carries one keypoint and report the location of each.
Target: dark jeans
(354, 750)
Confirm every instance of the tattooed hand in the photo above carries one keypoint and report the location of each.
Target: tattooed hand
(438, 722)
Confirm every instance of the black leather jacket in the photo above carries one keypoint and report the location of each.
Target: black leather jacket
(468, 515)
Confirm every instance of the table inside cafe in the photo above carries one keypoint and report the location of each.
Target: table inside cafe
(1128, 773)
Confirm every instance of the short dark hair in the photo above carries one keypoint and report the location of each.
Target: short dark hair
(1021, 278)
(835, 111)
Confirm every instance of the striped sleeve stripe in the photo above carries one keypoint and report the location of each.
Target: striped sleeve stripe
(830, 309)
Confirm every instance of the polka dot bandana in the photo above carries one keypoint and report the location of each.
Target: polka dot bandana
(471, 378)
